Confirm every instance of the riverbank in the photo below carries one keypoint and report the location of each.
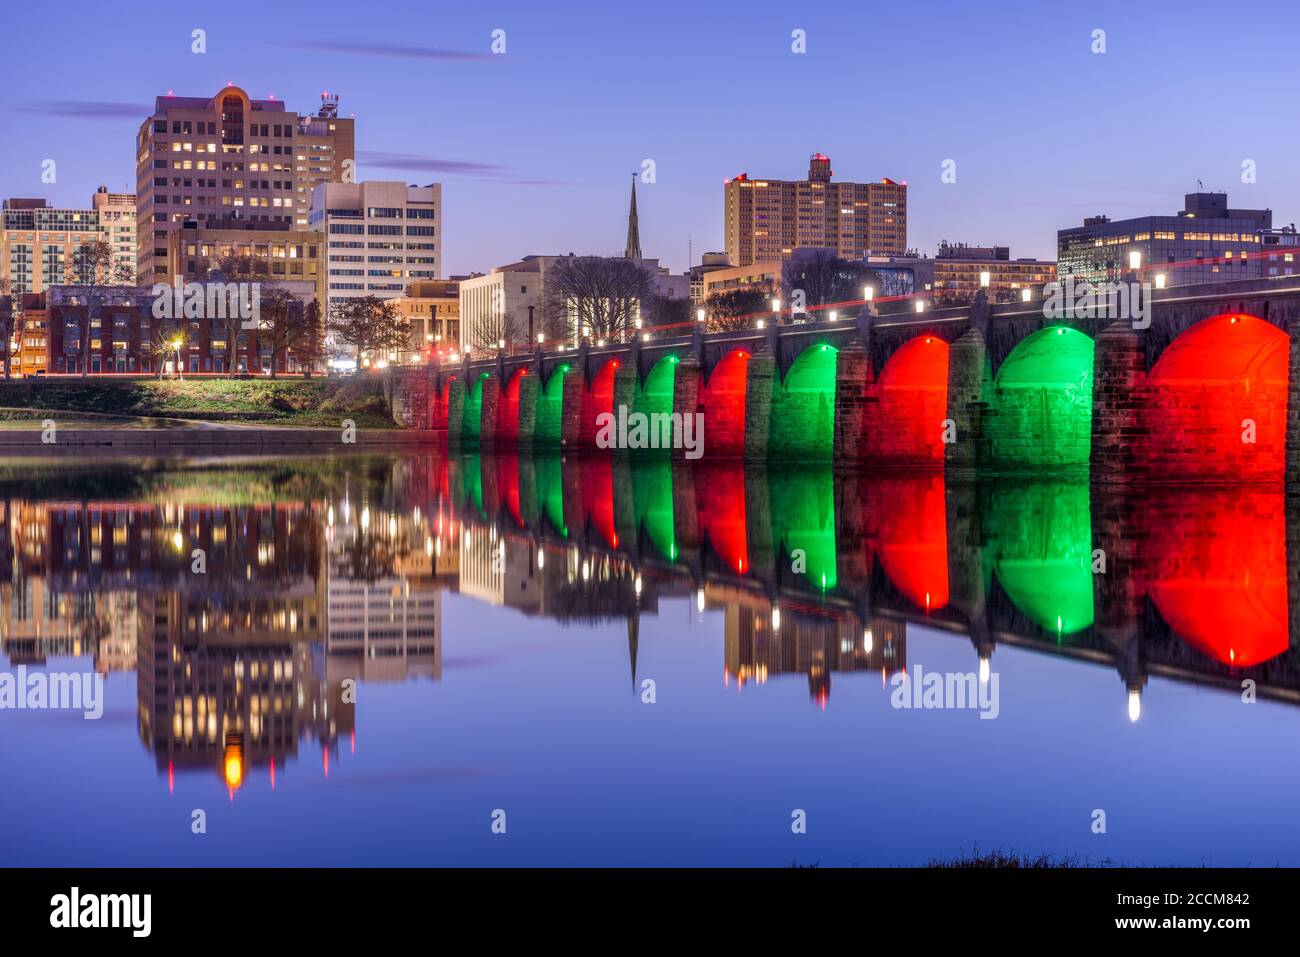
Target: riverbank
(148, 403)
(210, 438)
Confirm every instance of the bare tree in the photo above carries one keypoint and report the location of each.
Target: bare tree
(823, 278)
(7, 322)
(281, 321)
(229, 265)
(308, 340)
(736, 309)
(495, 328)
(597, 297)
(370, 324)
(92, 273)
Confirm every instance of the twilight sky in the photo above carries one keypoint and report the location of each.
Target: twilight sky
(534, 147)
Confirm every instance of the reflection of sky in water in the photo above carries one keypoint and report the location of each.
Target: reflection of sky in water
(541, 720)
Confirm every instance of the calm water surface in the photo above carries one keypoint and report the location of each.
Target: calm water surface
(381, 652)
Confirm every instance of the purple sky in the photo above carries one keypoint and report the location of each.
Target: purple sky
(534, 147)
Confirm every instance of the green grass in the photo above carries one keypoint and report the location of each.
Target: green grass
(281, 402)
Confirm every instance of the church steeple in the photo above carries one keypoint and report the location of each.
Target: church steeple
(633, 250)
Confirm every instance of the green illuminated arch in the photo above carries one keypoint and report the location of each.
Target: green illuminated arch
(1040, 543)
(473, 421)
(550, 410)
(803, 408)
(1042, 402)
(656, 397)
(803, 518)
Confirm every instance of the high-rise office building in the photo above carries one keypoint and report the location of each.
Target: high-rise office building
(768, 219)
(379, 237)
(117, 227)
(38, 241)
(227, 160)
(1207, 241)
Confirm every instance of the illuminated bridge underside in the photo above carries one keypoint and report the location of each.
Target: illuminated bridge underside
(1207, 569)
(1050, 400)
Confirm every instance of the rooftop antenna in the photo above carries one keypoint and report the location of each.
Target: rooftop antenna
(1200, 187)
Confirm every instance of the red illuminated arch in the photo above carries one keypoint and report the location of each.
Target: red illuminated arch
(1215, 379)
(912, 394)
(444, 400)
(720, 502)
(723, 399)
(508, 408)
(598, 495)
(912, 542)
(1218, 572)
(598, 399)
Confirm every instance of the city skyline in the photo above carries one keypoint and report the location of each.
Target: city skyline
(556, 187)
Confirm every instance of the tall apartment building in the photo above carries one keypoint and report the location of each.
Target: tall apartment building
(959, 270)
(38, 241)
(117, 227)
(768, 219)
(379, 236)
(431, 307)
(1207, 241)
(227, 159)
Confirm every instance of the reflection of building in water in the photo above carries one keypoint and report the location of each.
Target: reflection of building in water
(765, 640)
(228, 700)
(384, 602)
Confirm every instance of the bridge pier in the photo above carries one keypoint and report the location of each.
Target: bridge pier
(761, 381)
(970, 378)
(853, 381)
(1118, 402)
(1293, 405)
(572, 407)
(455, 411)
(686, 394)
(488, 425)
(529, 396)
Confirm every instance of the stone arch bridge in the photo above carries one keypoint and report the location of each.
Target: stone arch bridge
(1205, 386)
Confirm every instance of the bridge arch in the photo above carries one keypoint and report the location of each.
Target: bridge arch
(598, 399)
(508, 407)
(655, 397)
(906, 427)
(472, 428)
(1218, 397)
(1218, 572)
(547, 427)
(803, 407)
(723, 401)
(1041, 415)
(441, 407)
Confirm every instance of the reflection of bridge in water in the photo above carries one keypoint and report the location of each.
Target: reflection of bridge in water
(1185, 583)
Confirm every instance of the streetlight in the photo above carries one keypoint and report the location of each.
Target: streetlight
(1024, 295)
(834, 315)
(541, 338)
(1160, 280)
(760, 324)
(920, 305)
(868, 293)
(176, 344)
(1134, 260)
(699, 315)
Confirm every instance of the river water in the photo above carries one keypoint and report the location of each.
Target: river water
(506, 660)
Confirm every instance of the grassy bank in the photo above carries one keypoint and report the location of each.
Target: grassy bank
(281, 402)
